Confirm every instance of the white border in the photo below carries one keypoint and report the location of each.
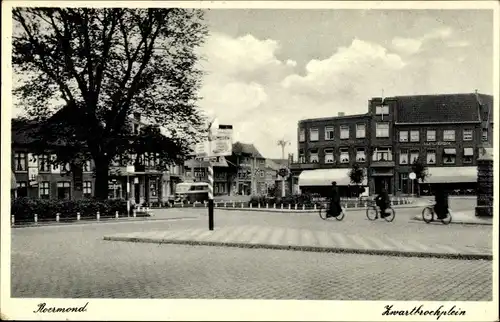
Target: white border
(224, 310)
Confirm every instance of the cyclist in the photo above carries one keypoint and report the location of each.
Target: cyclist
(382, 201)
(441, 205)
(335, 208)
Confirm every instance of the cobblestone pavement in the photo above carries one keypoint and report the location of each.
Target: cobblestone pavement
(75, 261)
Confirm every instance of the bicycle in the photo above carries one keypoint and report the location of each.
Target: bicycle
(323, 213)
(373, 210)
(429, 215)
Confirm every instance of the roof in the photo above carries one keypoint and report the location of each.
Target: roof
(246, 148)
(334, 118)
(440, 108)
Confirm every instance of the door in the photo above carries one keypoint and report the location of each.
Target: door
(383, 183)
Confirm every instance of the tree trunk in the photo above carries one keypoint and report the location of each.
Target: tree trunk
(101, 178)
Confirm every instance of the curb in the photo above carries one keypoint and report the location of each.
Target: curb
(413, 220)
(318, 249)
(307, 211)
(89, 222)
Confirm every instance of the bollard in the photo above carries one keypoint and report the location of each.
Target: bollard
(242, 205)
(295, 206)
(250, 205)
(12, 220)
(258, 205)
(36, 218)
(274, 205)
(224, 204)
(233, 204)
(77, 216)
(365, 204)
(267, 205)
(355, 205)
(116, 214)
(98, 217)
(57, 217)
(135, 213)
(281, 206)
(289, 206)
(314, 206)
(303, 207)
(194, 204)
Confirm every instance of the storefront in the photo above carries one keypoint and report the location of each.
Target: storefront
(454, 180)
(320, 181)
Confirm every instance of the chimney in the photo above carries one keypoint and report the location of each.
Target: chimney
(341, 114)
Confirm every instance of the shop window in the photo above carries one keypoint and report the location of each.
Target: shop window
(403, 156)
(63, 190)
(302, 135)
(329, 133)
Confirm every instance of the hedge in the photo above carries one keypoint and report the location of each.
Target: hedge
(25, 208)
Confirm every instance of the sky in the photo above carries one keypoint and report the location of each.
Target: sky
(268, 69)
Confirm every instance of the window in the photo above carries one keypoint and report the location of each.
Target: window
(302, 135)
(313, 156)
(382, 109)
(449, 156)
(382, 130)
(468, 155)
(344, 155)
(431, 135)
(329, 158)
(313, 135)
(153, 188)
(63, 190)
(344, 132)
(44, 190)
(262, 173)
(302, 157)
(86, 166)
(382, 154)
(431, 156)
(87, 189)
(415, 136)
(403, 156)
(468, 134)
(329, 132)
(360, 131)
(20, 161)
(44, 163)
(449, 135)
(403, 136)
(414, 156)
(22, 189)
(360, 155)
(485, 135)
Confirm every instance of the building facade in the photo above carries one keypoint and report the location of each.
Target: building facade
(445, 132)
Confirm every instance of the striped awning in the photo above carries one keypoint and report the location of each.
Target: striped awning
(450, 151)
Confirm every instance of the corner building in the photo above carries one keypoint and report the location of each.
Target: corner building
(447, 131)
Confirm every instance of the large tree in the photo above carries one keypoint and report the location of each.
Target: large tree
(421, 173)
(357, 175)
(102, 65)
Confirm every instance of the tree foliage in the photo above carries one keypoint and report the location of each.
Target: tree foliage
(420, 170)
(357, 174)
(83, 73)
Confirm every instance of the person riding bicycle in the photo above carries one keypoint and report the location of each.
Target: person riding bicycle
(335, 208)
(441, 205)
(382, 201)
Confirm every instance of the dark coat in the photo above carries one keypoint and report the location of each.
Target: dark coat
(382, 200)
(441, 206)
(334, 201)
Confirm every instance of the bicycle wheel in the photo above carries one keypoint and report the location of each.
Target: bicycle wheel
(390, 214)
(428, 214)
(447, 219)
(341, 216)
(371, 212)
(322, 212)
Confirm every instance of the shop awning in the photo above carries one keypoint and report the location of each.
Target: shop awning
(451, 174)
(324, 177)
(450, 151)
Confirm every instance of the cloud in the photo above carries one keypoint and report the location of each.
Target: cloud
(458, 43)
(407, 45)
(410, 46)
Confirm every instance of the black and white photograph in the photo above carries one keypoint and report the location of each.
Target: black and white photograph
(308, 161)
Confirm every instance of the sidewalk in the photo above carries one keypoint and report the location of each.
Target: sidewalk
(302, 240)
(463, 218)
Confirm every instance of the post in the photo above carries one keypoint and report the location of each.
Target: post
(210, 197)
(128, 196)
(98, 216)
(57, 217)
(36, 219)
(12, 220)
(116, 214)
(77, 216)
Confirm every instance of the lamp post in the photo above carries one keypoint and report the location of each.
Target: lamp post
(283, 143)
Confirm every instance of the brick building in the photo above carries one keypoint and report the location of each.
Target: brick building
(446, 131)
(37, 178)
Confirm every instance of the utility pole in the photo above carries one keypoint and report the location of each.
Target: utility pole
(283, 143)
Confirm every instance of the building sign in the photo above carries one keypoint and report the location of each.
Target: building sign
(33, 176)
(438, 143)
(219, 143)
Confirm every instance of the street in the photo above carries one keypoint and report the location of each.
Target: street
(73, 261)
